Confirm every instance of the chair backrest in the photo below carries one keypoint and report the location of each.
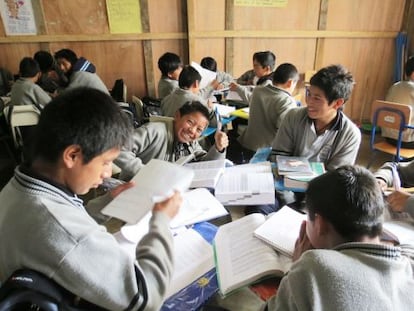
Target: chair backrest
(390, 115)
(22, 115)
(139, 107)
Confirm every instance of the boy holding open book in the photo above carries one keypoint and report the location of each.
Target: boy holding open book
(340, 262)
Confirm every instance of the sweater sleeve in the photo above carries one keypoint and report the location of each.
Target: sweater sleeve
(128, 160)
(98, 270)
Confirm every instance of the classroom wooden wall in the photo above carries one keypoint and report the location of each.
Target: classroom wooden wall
(308, 33)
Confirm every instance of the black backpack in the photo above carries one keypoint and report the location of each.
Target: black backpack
(30, 290)
(152, 107)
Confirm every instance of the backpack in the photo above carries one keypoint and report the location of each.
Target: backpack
(152, 107)
(30, 290)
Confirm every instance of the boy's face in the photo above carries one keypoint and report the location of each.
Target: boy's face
(82, 177)
(174, 75)
(64, 64)
(259, 70)
(189, 127)
(318, 105)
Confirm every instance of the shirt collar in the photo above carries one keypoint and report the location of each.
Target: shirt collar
(29, 172)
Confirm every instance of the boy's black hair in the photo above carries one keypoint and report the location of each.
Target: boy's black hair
(284, 73)
(209, 63)
(67, 54)
(169, 62)
(45, 60)
(350, 199)
(265, 58)
(335, 81)
(188, 76)
(28, 67)
(83, 116)
(409, 66)
(194, 106)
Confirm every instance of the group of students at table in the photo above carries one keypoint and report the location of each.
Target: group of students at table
(81, 132)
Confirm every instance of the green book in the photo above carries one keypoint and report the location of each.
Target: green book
(301, 182)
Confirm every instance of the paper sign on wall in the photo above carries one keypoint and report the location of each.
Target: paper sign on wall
(18, 17)
(124, 16)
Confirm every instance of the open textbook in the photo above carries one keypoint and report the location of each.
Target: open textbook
(281, 230)
(246, 184)
(241, 258)
(198, 205)
(206, 173)
(155, 182)
(193, 255)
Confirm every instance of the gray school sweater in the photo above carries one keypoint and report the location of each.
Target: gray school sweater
(353, 276)
(406, 173)
(26, 92)
(45, 228)
(268, 107)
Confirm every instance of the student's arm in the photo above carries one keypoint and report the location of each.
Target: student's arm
(128, 160)
(284, 142)
(41, 97)
(246, 78)
(98, 270)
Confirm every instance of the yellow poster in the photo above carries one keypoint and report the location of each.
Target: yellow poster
(124, 16)
(262, 3)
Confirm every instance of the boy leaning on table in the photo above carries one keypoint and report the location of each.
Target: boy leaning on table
(45, 227)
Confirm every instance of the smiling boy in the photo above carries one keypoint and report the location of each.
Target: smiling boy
(171, 139)
(321, 132)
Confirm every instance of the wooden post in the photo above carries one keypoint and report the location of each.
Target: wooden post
(147, 46)
(229, 42)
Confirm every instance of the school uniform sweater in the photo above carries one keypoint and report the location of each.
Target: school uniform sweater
(406, 173)
(268, 107)
(174, 101)
(26, 92)
(352, 276)
(166, 86)
(46, 228)
(86, 79)
(337, 146)
(155, 140)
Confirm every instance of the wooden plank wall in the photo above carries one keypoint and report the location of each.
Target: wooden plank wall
(308, 33)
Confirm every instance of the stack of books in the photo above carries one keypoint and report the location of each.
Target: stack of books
(297, 172)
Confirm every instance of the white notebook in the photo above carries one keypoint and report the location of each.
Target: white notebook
(281, 230)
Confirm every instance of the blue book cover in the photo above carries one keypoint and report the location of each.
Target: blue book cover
(194, 295)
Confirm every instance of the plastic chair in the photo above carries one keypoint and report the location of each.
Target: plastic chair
(394, 116)
(17, 116)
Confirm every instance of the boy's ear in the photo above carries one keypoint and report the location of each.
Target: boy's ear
(72, 155)
(338, 103)
(322, 225)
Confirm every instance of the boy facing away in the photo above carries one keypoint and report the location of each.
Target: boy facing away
(25, 91)
(78, 136)
(340, 262)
